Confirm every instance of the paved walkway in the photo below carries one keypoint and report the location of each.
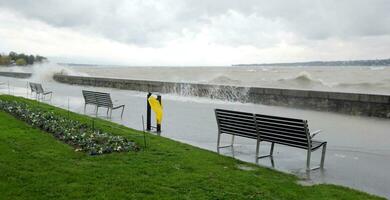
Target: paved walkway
(358, 153)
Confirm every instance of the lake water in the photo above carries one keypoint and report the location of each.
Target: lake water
(363, 79)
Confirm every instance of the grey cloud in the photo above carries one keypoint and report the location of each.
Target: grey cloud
(151, 23)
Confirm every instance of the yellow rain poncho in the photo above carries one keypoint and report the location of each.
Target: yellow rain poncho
(157, 108)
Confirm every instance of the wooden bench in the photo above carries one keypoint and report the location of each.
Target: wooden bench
(276, 130)
(100, 99)
(39, 91)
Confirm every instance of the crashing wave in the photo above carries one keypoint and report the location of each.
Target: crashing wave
(222, 92)
(45, 72)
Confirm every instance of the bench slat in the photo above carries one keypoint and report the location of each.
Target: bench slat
(282, 134)
(97, 98)
(279, 122)
(299, 133)
(242, 134)
(277, 138)
(280, 118)
(246, 129)
(238, 122)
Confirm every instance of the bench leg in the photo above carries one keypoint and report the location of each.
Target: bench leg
(271, 152)
(272, 161)
(321, 166)
(323, 156)
(123, 109)
(218, 140)
(108, 109)
(97, 110)
(308, 160)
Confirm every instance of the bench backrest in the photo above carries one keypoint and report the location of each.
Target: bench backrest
(236, 123)
(89, 97)
(98, 98)
(36, 87)
(39, 88)
(33, 87)
(282, 130)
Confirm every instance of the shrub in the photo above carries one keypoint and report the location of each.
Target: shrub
(81, 136)
(20, 62)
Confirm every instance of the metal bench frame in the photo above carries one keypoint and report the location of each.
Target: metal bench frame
(100, 99)
(276, 130)
(40, 93)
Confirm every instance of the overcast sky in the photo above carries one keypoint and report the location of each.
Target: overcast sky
(196, 32)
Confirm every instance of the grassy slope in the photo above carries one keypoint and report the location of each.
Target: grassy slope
(34, 165)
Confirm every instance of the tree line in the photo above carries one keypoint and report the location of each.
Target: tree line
(21, 59)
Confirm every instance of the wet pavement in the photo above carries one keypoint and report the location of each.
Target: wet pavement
(358, 152)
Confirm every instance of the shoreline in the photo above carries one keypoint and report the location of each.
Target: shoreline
(374, 105)
(361, 104)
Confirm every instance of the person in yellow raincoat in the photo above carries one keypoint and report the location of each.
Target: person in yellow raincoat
(157, 108)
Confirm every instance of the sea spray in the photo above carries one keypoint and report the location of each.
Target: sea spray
(44, 72)
(221, 92)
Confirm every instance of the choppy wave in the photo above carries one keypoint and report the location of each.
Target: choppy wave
(377, 68)
(225, 80)
(366, 85)
(304, 79)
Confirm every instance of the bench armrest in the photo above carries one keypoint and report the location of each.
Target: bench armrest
(315, 133)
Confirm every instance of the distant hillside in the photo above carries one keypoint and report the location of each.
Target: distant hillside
(380, 62)
(77, 65)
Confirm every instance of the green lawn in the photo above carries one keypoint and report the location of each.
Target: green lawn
(34, 165)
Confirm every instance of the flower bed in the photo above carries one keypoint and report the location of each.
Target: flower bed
(81, 136)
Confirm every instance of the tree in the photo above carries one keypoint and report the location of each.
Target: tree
(21, 56)
(5, 60)
(39, 58)
(21, 61)
(12, 55)
(30, 60)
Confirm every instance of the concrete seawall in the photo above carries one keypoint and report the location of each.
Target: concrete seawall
(16, 74)
(347, 103)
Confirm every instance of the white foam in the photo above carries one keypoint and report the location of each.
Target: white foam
(377, 68)
(44, 72)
